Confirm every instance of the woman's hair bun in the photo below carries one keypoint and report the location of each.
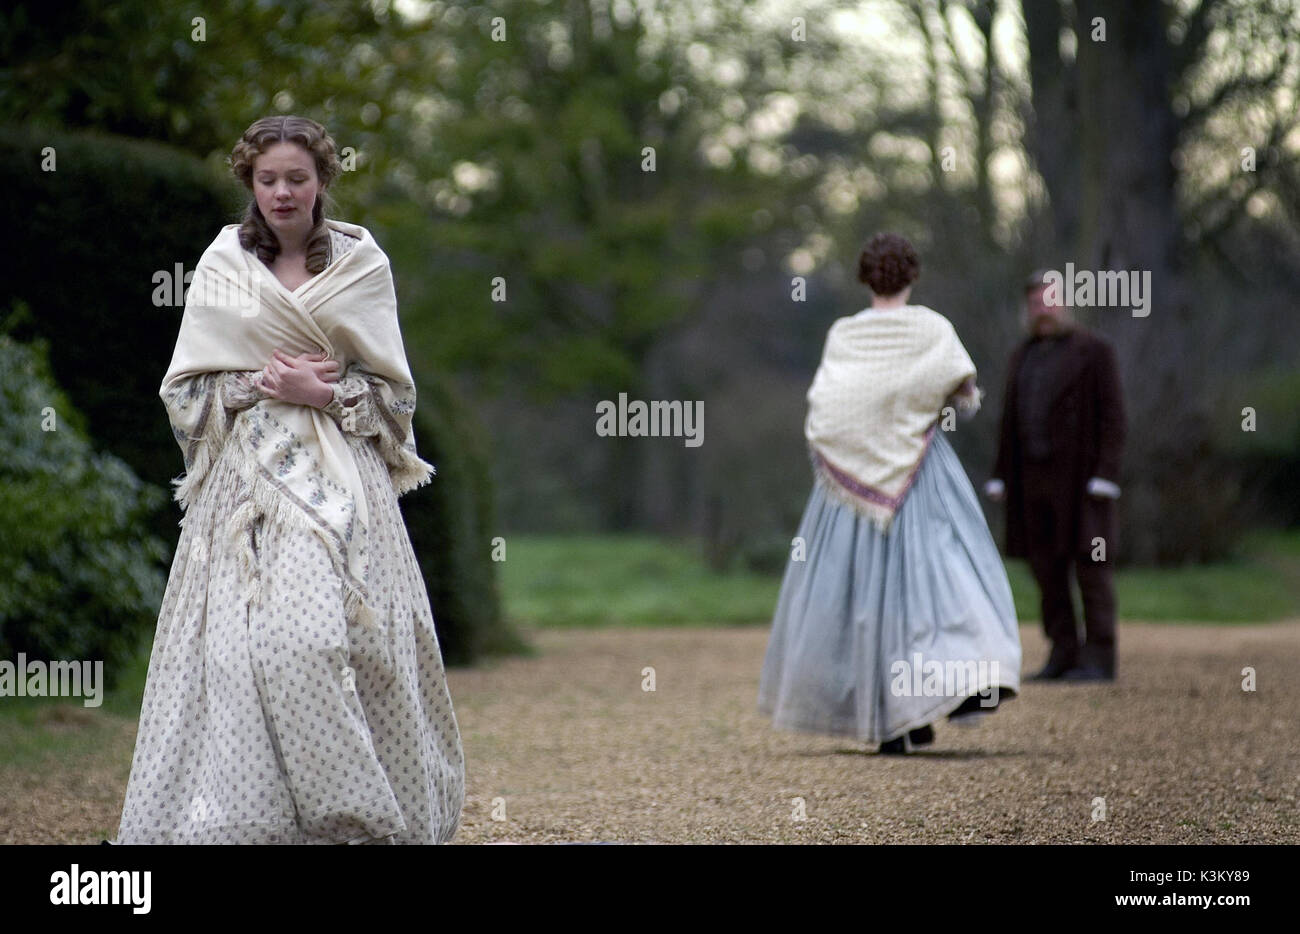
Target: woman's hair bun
(888, 264)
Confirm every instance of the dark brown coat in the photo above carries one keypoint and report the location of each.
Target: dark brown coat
(1087, 429)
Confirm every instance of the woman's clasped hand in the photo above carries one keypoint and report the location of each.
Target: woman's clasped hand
(303, 379)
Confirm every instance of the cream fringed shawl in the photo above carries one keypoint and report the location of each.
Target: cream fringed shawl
(885, 376)
(294, 461)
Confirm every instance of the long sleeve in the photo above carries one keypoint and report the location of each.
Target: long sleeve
(202, 409)
(1111, 422)
(967, 399)
(1007, 424)
(353, 406)
(239, 389)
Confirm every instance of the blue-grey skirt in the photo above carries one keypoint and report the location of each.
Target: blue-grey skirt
(879, 633)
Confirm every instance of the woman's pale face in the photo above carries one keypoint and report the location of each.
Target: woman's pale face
(285, 186)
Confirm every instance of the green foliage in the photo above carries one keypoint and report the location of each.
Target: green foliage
(140, 68)
(1274, 395)
(1260, 448)
(85, 582)
(533, 168)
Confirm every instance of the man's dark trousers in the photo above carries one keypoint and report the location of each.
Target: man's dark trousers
(1051, 569)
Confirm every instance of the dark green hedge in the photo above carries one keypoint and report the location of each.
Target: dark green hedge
(450, 520)
(86, 241)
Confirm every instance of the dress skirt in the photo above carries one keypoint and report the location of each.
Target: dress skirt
(876, 633)
(279, 721)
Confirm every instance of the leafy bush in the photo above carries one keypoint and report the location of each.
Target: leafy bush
(82, 578)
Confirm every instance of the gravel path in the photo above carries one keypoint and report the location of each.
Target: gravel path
(568, 747)
(579, 752)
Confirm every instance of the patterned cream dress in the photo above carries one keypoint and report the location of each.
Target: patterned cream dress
(278, 721)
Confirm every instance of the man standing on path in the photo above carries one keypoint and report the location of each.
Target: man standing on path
(1062, 434)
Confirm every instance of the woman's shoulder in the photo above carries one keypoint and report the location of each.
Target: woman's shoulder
(227, 238)
(346, 237)
(929, 315)
(354, 232)
(916, 316)
(341, 242)
(933, 325)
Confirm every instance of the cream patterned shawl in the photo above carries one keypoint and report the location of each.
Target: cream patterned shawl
(876, 399)
(294, 458)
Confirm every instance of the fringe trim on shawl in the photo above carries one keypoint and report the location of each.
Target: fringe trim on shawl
(186, 486)
(880, 514)
(260, 499)
(408, 471)
(265, 501)
(204, 451)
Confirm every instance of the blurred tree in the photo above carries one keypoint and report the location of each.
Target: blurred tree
(1113, 84)
(578, 180)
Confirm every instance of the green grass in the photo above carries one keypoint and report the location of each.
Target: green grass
(39, 734)
(589, 581)
(1219, 593)
(45, 733)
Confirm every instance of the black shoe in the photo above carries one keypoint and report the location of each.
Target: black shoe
(973, 709)
(894, 747)
(1088, 673)
(1052, 671)
(921, 736)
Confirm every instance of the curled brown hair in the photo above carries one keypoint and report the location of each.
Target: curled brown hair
(254, 232)
(888, 264)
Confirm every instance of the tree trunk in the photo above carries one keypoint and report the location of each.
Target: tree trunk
(1104, 134)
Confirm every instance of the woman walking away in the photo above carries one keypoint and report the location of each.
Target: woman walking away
(296, 691)
(895, 610)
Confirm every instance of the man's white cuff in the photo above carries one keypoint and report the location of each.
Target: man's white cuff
(1099, 487)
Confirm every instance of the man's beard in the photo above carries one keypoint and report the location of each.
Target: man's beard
(1046, 326)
